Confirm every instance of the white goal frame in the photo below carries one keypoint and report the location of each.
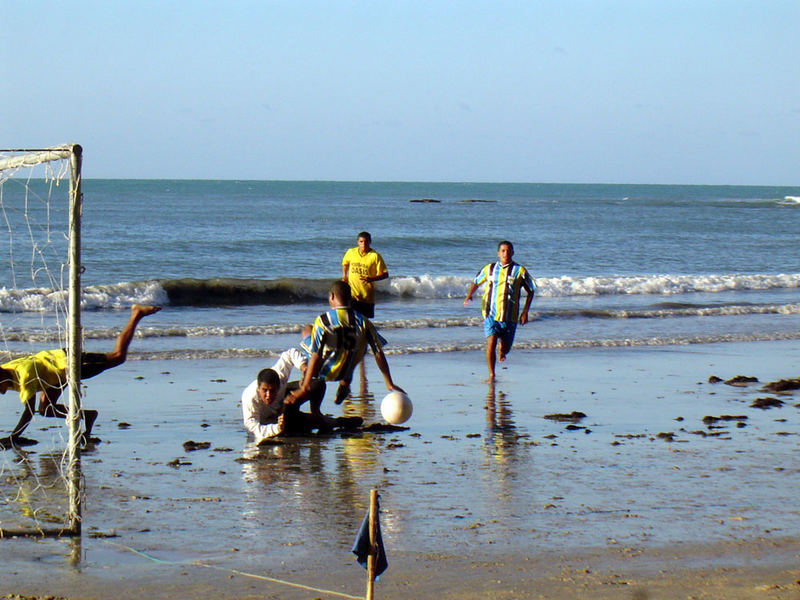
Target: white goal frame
(29, 157)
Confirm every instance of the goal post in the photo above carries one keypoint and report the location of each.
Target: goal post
(68, 157)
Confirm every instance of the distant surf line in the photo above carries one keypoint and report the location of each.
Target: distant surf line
(231, 331)
(445, 348)
(284, 292)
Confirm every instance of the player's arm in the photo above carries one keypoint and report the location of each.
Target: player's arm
(378, 267)
(26, 416)
(312, 369)
(531, 290)
(253, 424)
(381, 277)
(345, 265)
(473, 286)
(383, 366)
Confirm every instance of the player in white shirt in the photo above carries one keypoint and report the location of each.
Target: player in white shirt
(264, 413)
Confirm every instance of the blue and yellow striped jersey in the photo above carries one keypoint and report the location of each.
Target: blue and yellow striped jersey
(340, 337)
(501, 293)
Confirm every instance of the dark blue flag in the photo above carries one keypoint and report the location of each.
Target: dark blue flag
(361, 545)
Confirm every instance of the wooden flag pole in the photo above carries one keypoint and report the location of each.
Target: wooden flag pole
(373, 549)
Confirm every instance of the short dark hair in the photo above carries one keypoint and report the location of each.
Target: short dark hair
(269, 377)
(505, 243)
(341, 291)
(365, 235)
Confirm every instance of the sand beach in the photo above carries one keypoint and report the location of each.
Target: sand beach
(669, 486)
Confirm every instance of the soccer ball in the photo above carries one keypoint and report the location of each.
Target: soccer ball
(396, 408)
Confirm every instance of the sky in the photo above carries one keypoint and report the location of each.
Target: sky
(562, 91)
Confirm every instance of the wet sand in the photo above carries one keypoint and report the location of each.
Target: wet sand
(486, 494)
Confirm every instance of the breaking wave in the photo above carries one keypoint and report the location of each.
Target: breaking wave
(242, 292)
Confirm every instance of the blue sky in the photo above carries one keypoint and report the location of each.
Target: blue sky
(672, 91)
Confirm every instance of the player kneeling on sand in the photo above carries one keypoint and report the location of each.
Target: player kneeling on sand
(263, 410)
(46, 373)
(338, 343)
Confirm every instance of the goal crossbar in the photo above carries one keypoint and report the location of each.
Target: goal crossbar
(35, 156)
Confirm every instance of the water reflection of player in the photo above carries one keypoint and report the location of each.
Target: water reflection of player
(40, 498)
(39, 494)
(502, 433)
(271, 464)
(298, 483)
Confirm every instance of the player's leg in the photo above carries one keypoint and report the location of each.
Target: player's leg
(95, 363)
(506, 340)
(316, 395)
(138, 311)
(60, 411)
(491, 354)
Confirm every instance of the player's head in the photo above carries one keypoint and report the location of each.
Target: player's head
(364, 241)
(505, 251)
(268, 385)
(506, 243)
(340, 293)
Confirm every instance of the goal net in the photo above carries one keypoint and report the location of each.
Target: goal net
(40, 209)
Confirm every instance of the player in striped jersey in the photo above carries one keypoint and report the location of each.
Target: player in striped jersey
(338, 343)
(504, 282)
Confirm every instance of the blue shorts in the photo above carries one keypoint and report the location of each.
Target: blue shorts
(504, 331)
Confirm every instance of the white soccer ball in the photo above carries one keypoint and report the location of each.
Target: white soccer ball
(396, 408)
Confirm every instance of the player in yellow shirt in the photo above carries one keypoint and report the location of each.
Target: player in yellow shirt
(362, 266)
(45, 373)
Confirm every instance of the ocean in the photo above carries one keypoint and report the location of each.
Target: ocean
(240, 266)
(643, 293)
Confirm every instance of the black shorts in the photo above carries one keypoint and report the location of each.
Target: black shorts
(295, 421)
(93, 363)
(365, 308)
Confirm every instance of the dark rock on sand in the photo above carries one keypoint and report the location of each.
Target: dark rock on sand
(766, 403)
(191, 446)
(572, 417)
(708, 420)
(741, 380)
(783, 385)
(383, 428)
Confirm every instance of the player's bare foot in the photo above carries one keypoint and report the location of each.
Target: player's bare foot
(501, 353)
(144, 310)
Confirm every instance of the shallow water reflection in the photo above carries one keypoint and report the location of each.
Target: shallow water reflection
(477, 470)
(33, 490)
